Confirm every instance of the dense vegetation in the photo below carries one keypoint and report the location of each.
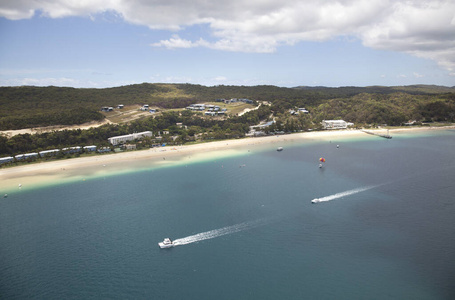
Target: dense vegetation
(25, 107)
(206, 129)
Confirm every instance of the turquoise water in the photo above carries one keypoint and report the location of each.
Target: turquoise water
(246, 227)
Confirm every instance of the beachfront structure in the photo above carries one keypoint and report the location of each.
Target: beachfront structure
(258, 130)
(115, 140)
(26, 155)
(129, 146)
(104, 149)
(5, 160)
(71, 150)
(262, 126)
(49, 152)
(89, 148)
(336, 124)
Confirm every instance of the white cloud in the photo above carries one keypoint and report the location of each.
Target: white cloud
(417, 75)
(220, 78)
(177, 42)
(421, 28)
(62, 81)
(40, 81)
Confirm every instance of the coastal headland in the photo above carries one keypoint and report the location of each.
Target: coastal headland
(84, 168)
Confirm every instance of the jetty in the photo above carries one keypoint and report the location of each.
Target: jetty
(386, 136)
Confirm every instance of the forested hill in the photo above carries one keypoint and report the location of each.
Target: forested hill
(28, 106)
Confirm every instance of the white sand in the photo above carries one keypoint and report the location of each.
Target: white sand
(103, 165)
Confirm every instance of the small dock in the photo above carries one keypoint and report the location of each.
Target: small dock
(386, 136)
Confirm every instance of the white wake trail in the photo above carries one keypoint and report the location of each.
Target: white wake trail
(218, 232)
(342, 194)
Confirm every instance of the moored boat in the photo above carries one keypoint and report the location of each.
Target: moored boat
(279, 149)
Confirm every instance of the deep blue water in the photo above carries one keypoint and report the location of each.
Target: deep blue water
(391, 236)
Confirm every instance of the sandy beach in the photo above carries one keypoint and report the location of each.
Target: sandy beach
(84, 168)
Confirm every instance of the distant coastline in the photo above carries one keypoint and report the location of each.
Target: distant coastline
(75, 169)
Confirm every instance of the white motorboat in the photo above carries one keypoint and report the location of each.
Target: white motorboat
(167, 243)
(316, 200)
(279, 149)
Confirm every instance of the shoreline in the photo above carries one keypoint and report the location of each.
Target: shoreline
(74, 169)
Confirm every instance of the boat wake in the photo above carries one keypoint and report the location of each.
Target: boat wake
(342, 194)
(253, 224)
(219, 232)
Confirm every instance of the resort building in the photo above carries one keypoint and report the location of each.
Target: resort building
(89, 148)
(104, 149)
(129, 146)
(49, 152)
(115, 140)
(25, 156)
(336, 124)
(4, 160)
(71, 150)
(199, 107)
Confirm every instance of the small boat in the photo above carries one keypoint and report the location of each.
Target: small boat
(167, 243)
(316, 200)
(279, 149)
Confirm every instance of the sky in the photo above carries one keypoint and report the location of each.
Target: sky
(287, 43)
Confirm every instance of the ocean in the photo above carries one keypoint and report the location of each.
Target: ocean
(245, 227)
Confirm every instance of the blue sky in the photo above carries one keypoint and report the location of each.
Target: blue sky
(104, 43)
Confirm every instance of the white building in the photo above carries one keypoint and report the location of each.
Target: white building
(336, 124)
(71, 150)
(49, 152)
(196, 107)
(4, 160)
(89, 148)
(115, 140)
(27, 155)
(104, 149)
